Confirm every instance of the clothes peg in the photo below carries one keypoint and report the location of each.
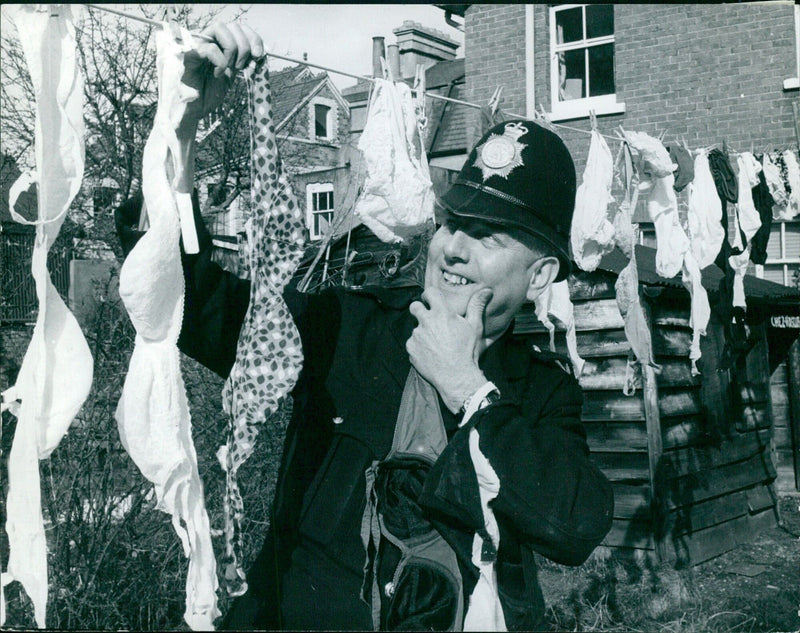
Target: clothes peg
(544, 115)
(593, 120)
(419, 99)
(494, 102)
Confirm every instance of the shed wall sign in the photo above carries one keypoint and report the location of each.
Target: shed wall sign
(784, 321)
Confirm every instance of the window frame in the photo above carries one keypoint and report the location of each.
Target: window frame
(331, 122)
(578, 108)
(785, 263)
(316, 188)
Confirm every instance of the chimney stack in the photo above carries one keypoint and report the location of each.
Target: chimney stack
(393, 59)
(378, 51)
(418, 44)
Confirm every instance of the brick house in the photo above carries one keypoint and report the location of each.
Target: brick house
(708, 74)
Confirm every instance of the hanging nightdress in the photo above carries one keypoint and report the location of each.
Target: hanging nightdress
(269, 354)
(153, 412)
(56, 373)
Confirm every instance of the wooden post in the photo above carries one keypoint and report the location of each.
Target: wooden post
(652, 416)
(793, 379)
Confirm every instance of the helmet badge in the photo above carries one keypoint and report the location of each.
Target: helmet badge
(501, 154)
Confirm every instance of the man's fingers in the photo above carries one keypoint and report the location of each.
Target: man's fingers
(256, 43)
(242, 45)
(417, 309)
(222, 54)
(477, 306)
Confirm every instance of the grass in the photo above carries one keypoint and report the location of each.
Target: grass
(116, 563)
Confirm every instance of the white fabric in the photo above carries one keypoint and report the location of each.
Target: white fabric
(747, 178)
(704, 213)
(739, 264)
(592, 234)
(475, 401)
(772, 174)
(153, 412)
(793, 176)
(555, 302)
(655, 170)
(397, 200)
(484, 612)
(700, 310)
(56, 373)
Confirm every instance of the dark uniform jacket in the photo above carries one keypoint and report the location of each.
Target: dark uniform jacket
(553, 500)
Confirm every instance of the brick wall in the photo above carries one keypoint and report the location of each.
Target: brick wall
(704, 72)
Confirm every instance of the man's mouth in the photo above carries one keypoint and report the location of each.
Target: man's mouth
(452, 279)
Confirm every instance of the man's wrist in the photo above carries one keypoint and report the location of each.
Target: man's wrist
(486, 394)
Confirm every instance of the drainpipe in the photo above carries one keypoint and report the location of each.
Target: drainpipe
(448, 17)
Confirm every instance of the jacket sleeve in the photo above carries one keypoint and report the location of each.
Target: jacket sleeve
(551, 493)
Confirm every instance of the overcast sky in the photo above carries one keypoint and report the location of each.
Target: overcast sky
(336, 35)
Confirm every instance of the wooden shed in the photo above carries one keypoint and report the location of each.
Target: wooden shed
(691, 458)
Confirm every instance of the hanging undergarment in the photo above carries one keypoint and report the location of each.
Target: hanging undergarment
(763, 203)
(56, 372)
(269, 354)
(397, 199)
(556, 302)
(153, 412)
(772, 174)
(739, 263)
(637, 330)
(673, 253)
(684, 172)
(749, 219)
(592, 234)
(704, 214)
(655, 169)
(793, 182)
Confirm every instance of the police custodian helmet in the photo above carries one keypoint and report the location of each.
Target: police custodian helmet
(520, 174)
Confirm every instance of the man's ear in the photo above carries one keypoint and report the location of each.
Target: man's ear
(543, 273)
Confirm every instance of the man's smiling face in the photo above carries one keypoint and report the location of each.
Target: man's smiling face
(466, 255)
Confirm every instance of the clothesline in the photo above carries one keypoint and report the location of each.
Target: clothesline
(432, 95)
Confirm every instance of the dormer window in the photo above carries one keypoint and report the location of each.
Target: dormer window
(323, 119)
(322, 115)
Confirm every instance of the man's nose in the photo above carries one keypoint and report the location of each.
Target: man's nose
(456, 248)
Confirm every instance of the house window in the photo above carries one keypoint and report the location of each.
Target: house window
(582, 61)
(783, 254)
(323, 119)
(319, 209)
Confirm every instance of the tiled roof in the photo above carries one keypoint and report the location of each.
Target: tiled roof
(448, 125)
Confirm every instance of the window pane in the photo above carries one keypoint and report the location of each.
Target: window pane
(774, 242)
(569, 25)
(599, 20)
(773, 273)
(601, 70)
(321, 223)
(321, 120)
(573, 74)
(792, 240)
